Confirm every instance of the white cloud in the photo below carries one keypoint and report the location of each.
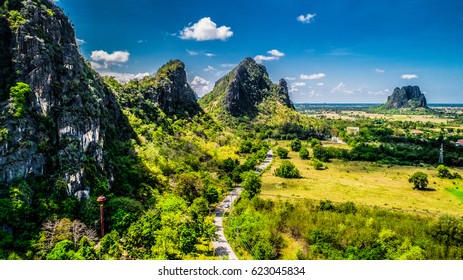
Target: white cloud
(314, 94)
(80, 41)
(210, 54)
(312, 76)
(201, 86)
(228, 65)
(342, 88)
(300, 84)
(209, 68)
(96, 65)
(261, 58)
(409, 76)
(205, 29)
(108, 59)
(124, 77)
(276, 53)
(192, 53)
(290, 78)
(381, 71)
(306, 19)
(320, 84)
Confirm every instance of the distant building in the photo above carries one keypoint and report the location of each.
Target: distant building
(353, 130)
(459, 143)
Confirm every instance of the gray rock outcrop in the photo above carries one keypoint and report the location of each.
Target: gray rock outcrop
(70, 113)
(406, 97)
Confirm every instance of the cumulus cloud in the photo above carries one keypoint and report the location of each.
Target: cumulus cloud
(409, 76)
(312, 76)
(342, 88)
(124, 77)
(262, 58)
(306, 19)
(274, 55)
(295, 86)
(201, 86)
(299, 84)
(290, 78)
(210, 54)
(314, 94)
(320, 84)
(102, 59)
(381, 71)
(204, 30)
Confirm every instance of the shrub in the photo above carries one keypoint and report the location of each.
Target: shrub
(287, 170)
(313, 142)
(304, 153)
(318, 165)
(282, 152)
(19, 93)
(319, 152)
(296, 145)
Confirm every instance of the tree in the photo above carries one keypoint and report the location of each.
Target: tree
(251, 184)
(304, 153)
(282, 152)
(287, 170)
(320, 153)
(189, 186)
(296, 145)
(314, 141)
(419, 180)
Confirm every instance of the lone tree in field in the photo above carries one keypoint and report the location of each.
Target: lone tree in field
(287, 170)
(419, 180)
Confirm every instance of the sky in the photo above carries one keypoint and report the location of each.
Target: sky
(329, 51)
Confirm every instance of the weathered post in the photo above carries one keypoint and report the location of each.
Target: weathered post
(101, 199)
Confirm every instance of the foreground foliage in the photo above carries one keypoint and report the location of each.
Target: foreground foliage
(258, 227)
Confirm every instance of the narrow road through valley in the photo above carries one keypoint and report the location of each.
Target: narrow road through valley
(221, 246)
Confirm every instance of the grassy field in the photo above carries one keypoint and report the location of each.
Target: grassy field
(366, 184)
(352, 116)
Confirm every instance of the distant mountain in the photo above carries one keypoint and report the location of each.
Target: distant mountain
(168, 91)
(406, 97)
(240, 92)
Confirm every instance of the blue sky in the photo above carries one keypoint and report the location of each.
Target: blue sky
(333, 51)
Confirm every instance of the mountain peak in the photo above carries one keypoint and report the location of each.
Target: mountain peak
(406, 97)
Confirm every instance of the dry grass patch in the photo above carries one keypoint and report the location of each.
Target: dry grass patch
(365, 184)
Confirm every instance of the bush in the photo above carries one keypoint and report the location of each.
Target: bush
(319, 152)
(287, 170)
(282, 152)
(313, 142)
(419, 180)
(296, 145)
(318, 165)
(304, 153)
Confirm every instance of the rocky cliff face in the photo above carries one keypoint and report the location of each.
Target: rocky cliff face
(241, 91)
(69, 112)
(248, 87)
(283, 94)
(406, 97)
(172, 92)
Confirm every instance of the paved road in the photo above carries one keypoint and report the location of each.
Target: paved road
(221, 246)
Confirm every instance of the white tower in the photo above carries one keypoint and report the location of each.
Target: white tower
(441, 154)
